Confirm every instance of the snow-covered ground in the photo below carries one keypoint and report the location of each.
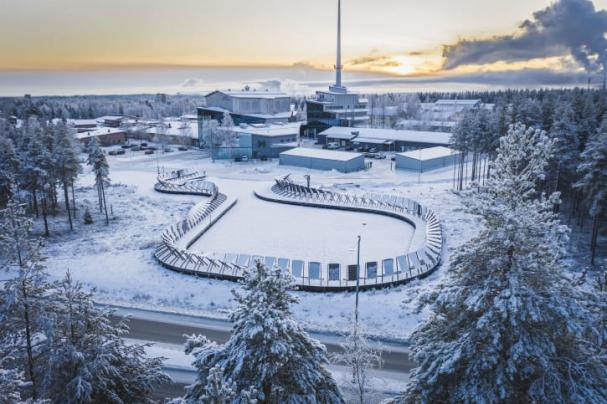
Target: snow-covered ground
(117, 260)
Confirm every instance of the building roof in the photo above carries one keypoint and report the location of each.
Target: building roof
(251, 94)
(275, 129)
(430, 153)
(279, 115)
(110, 118)
(98, 132)
(175, 128)
(458, 102)
(409, 136)
(321, 154)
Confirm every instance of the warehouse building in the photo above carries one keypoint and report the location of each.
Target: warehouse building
(318, 159)
(383, 139)
(423, 160)
(257, 141)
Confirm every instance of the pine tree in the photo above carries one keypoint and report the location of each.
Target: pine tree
(9, 167)
(66, 162)
(101, 170)
(507, 326)
(26, 311)
(90, 362)
(267, 351)
(593, 171)
(564, 132)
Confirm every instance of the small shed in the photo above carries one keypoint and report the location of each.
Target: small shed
(426, 159)
(319, 159)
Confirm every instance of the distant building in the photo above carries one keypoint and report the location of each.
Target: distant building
(450, 110)
(177, 131)
(258, 141)
(432, 126)
(426, 159)
(106, 136)
(319, 159)
(246, 106)
(338, 106)
(110, 121)
(383, 139)
(162, 98)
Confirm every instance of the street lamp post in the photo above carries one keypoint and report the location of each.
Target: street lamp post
(357, 282)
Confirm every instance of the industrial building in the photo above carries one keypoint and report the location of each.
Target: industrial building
(423, 160)
(318, 159)
(389, 140)
(257, 141)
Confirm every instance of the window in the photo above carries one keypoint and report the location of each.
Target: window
(352, 270)
(297, 267)
(314, 270)
(388, 265)
(333, 272)
(371, 269)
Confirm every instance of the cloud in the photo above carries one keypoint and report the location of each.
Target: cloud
(188, 83)
(566, 27)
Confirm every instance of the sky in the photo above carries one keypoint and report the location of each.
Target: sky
(187, 44)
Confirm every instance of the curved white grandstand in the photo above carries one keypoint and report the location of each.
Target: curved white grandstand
(420, 258)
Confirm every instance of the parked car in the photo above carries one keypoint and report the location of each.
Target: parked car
(182, 148)
(120, 152)
(167, 150)
(380, 156)
(113, 152)
(144, 144)
(126, 146)
(149, 151)
(369, 155)
(333, 146)
(135, 148)
(152, 148)
(373, 150)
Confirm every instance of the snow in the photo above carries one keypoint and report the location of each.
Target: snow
(256, 227)
(429, 153)
(98, 132)
(321, 154)
(117, 261)
(440, 138)
(269, 129)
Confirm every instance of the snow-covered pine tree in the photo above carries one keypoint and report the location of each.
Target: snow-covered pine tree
(67, 164)
(9, 166)
(566, 152)
(593, 181)
(90, 361)
(25, 310)
(268, 350)
(506, 325)
(101, 170)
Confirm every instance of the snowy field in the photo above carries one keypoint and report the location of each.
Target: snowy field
(117, 260)
(257, 227)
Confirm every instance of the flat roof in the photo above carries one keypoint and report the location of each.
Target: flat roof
(321, 154)
(98, 132)
(429, 153)
(274, 129)
(251, 94)
(410, 136)
(281, 115)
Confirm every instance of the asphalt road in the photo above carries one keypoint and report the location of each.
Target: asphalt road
(172, 329)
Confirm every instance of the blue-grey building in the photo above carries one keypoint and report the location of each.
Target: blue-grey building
(257, 141)
(426, 159)
(319, 159)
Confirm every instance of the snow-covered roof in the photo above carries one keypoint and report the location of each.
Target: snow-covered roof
(421, 122)
(411, 136)
(279, 115)
(321, 154)
(98, 132)
(251, 94)
(110, 118)
(275, 129)
(458, 102)
(175, 128)
(429, 153)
